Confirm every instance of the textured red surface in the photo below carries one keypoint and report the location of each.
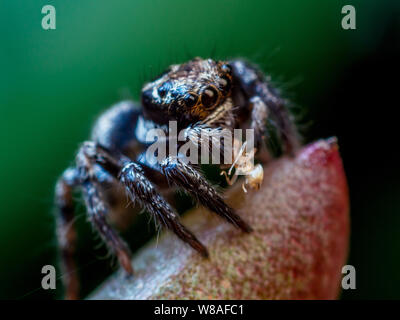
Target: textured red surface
(298, 247)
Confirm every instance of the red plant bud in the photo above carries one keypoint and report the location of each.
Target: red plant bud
(299, 244)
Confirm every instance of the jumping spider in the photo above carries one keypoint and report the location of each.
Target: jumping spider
(200, 95)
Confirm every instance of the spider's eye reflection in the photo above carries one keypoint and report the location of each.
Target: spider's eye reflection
(209, 97)
(190, 100)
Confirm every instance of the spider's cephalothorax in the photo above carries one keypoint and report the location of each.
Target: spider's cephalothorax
(188, 92)
(201, 96)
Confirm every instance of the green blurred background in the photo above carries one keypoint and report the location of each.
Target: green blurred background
(54, 83)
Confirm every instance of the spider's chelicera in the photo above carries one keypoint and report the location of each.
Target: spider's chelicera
(200, 96)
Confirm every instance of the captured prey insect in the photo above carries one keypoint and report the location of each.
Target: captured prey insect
(200, 96)
(244, 165)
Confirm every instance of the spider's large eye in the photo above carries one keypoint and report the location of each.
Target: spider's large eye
(209, 97)
(190, 100)
(225, 84)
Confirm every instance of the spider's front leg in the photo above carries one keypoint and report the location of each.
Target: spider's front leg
(264, 101)
(186, 177)
(142, 191)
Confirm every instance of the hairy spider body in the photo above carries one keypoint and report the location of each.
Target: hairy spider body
(200, 95)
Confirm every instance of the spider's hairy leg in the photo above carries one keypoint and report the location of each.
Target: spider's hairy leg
(97, 207)
(189, 179)
(254, 84)
(66, 233)
(259, 116)
(143, 191)
(98, 210)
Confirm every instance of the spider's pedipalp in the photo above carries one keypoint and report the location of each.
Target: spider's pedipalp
(259, 115)
(254, 84)
(187, 178)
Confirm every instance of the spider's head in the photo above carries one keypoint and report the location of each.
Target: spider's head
(187, 92)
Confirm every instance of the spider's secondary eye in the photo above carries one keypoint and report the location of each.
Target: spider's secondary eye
(226, 68)
(190, 100)
(163, 90)
(225, 84)
(209, 97)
